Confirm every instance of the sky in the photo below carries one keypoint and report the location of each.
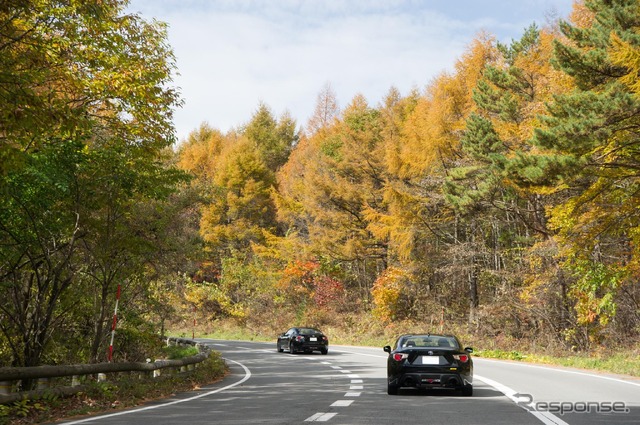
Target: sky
(233, 55)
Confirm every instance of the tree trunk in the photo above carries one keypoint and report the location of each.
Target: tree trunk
(473, 293)
(100, 324)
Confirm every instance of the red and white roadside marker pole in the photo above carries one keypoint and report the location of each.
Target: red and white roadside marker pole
(193, 333)
(113, 326)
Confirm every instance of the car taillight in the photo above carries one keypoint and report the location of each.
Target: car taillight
(461, 357)
(324, 338)
(299, 338)
(400, 356)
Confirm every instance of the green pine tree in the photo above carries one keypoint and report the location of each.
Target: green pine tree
(593, 156)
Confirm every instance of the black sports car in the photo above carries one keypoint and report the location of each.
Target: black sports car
(303, 339)
(429, 361)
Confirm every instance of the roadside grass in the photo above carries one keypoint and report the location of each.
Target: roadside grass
(110, 396)
(225, 331)
(176, 352)
(238, 335)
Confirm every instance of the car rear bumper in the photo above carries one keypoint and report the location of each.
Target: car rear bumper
(310, 347)
(431, 380)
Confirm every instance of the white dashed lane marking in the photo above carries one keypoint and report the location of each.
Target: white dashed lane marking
(342, 403)
(355, 379)
(320, 417)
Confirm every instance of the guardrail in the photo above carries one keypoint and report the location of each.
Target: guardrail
(67, 379)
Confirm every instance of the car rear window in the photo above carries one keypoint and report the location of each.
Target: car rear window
(430, 341)
(308, 331)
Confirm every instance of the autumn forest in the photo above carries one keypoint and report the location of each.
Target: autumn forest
(500, 202)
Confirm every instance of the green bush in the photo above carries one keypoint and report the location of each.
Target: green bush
(174, 352)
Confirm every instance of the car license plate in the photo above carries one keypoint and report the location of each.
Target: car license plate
(313, 338)
(430, 359)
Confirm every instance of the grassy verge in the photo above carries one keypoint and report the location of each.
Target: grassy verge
(110, 396)
(230, 334)
(176, 352)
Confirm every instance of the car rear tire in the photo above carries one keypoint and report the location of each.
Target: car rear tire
(324, 351)
(291, 349)
(392, 389)
(467, 390)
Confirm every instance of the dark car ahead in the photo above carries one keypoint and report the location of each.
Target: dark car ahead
(429, 361)
(303, 340)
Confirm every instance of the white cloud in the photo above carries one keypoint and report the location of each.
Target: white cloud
(233, 54)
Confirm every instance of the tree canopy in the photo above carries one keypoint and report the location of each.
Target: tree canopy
(501, 199)
(85, 122)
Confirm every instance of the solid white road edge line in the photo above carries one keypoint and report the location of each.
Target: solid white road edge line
(126, 412)
(574, 372)
(545, 417)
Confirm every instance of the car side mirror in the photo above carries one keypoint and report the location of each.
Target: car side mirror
(468, 350)
(387, 349)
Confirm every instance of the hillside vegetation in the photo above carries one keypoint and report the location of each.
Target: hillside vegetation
(502, 202)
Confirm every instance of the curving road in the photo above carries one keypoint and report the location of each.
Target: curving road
(348, 387)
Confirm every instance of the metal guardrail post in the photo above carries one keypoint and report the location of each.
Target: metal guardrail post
(5, 387)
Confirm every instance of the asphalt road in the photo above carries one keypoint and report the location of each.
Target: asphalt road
(348, 387)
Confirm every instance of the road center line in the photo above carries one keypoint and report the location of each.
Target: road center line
(247, 375)
(320, 417)
(342, 403)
